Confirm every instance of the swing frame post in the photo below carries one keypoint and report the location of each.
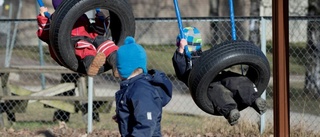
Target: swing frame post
(90, 104)
(280, 33)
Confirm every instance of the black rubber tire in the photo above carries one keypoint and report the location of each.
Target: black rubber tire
(223, 56)
(122, 24)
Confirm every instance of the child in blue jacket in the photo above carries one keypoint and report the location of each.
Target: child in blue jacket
(142, 93)
(228, 91)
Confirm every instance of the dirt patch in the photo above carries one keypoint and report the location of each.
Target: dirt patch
(61, 130)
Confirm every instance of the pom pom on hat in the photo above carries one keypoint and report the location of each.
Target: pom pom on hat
(129, 40)
(130, 57)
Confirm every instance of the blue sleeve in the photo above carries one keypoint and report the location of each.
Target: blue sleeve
(147, 110)
(181, 67)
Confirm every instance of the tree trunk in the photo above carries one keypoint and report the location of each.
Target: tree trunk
(213, 12)
(254, 35)
(312, 79)
(242, 8)
(221, 31)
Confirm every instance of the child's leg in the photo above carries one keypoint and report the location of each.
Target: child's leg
(112, 60)
(88, 56)
(221, 97)
(260, 105)
(96, 64)
(108, 47)
(245, 93)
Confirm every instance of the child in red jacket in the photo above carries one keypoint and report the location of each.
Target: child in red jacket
(91, 48)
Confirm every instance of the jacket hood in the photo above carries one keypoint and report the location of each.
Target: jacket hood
(157, 79)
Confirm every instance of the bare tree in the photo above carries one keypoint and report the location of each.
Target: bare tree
(254, 35)
(221, 31)
(213, 12)
(312, 79)
(147, 8)
(242, 8)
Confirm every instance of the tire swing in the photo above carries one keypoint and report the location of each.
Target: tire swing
(122, 24)
(221, 57)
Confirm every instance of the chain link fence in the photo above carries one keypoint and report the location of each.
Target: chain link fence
(20, 48)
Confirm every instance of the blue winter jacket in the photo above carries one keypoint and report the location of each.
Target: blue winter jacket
(139, 104)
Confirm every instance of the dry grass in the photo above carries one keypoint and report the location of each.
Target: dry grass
(194, 126)
(35, 122)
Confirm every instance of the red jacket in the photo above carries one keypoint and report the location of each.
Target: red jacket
(82, 27)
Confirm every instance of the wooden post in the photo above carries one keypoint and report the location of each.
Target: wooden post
(48, 96)
(280, 38)
(3, 92)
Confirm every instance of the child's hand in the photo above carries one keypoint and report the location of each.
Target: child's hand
(43, 10)
(114, 117)
(182, 43)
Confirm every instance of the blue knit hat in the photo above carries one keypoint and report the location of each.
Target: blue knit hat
(193, 37)
(194, 41)
(131, 56)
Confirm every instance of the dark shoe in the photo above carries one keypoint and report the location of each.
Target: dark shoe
(260, 105)
(96, 63)
(112, 60)
(234, 115)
